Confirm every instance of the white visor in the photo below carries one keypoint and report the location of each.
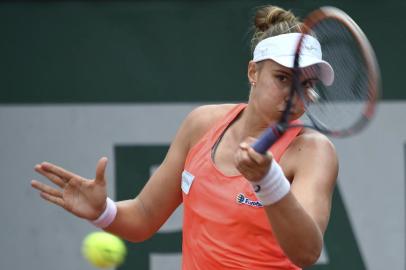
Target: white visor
(282, 48)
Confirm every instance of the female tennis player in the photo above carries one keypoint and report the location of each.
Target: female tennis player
(242, 209)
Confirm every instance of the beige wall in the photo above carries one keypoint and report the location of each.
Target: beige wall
(35, 235)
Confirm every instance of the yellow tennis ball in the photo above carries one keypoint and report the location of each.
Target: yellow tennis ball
(104, 250)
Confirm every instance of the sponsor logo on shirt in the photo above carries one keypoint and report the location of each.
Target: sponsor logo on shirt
(241, 199)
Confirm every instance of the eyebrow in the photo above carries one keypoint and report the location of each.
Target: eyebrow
(311, 79)
(284, 71)
(290, 73)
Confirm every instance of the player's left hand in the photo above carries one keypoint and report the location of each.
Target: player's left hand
(252, 165)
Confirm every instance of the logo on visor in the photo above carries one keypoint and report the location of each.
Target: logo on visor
(264, 52)
(309, 47)
(310, 44)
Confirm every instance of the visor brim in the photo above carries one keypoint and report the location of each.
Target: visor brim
(325, 71)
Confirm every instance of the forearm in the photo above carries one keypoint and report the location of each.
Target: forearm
(296, 231)
(131, 222)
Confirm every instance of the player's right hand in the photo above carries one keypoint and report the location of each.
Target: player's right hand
(252, 165)
(85, 198)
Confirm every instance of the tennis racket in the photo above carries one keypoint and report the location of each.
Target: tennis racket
(346, 103)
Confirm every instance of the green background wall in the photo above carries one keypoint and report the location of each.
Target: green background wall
(157, 51)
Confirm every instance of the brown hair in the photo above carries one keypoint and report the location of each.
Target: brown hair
(271, 21)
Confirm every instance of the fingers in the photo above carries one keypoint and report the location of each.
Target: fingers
(58, 171)
(246, 169)
(251, 164)
(48, 193)
(100, 170)
(45, 188)
(260, 159)
(54, 178)
(249, 154)
(52, 199)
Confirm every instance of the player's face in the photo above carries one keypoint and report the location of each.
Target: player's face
(272, 88)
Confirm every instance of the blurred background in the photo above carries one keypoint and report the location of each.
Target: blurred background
(85, 79)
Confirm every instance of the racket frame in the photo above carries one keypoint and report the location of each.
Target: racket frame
(368, 55)
(271, 135)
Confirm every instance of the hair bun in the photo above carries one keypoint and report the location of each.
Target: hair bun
(271, 15)
(271, 21)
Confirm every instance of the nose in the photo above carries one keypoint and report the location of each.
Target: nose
(297, 103)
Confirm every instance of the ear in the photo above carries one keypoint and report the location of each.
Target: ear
(252, 72)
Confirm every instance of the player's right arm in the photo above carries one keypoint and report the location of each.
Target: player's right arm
(139, 218)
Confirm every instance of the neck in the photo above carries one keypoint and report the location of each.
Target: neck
(250, 124)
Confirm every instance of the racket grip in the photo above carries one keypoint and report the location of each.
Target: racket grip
(268, 138)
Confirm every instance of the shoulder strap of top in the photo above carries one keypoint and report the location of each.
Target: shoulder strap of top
(225, 121)
(283, 142)
(211, 136)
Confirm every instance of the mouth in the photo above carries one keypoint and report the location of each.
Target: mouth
(291, 112)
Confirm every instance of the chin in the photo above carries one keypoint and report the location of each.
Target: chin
(295, 116)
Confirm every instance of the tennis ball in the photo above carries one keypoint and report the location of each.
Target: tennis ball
(104, 250)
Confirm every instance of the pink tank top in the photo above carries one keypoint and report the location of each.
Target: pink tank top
(224, 226)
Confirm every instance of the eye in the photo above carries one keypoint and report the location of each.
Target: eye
(309, 84)
(282, 78)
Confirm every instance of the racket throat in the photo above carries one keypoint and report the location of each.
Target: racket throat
(279, 129)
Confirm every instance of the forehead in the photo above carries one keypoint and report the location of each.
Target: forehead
(306, 73)
(271, 65)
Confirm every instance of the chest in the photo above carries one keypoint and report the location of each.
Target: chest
(219, 198)
(223, 157)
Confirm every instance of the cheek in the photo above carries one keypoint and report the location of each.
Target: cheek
(273, 95)
(269, 100)
(268, 90)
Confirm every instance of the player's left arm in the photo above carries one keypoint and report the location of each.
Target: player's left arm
(300, 219)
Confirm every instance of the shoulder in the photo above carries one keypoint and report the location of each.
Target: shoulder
(199, 121)
(312, 140)
(310, 148)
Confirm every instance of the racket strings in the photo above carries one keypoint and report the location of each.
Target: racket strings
(339, 106)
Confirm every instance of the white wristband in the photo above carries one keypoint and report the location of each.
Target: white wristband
(273, 187)
(108, 215)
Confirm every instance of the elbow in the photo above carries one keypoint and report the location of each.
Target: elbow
(140, 235)
(306, 259)
(136, 238)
